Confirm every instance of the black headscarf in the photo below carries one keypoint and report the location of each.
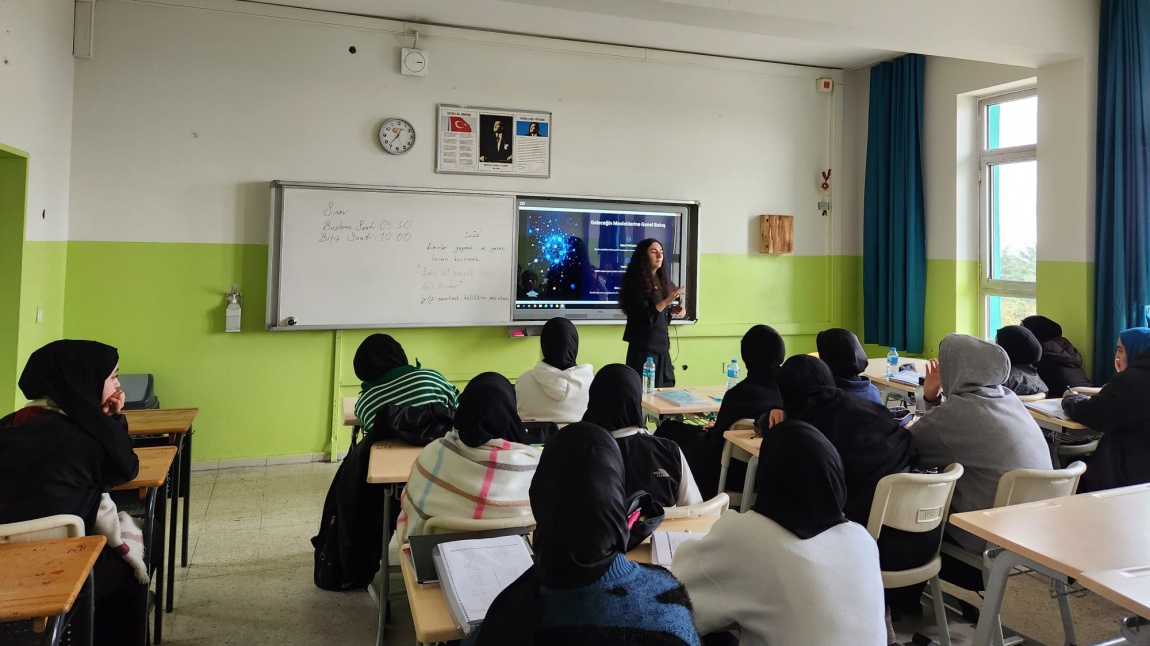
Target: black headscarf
(1043, 328)
(581, 527)
(376, 355)
(841, 351)
(1020, 344)
(800, 480)
(870, 442)
(560, 343)
(487, 411)
(72, 375)
(615, 399)
(763, 350)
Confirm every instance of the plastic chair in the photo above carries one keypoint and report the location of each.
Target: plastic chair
(1015, 488)
(916, 502)
(452, 524)
(713, 507)
(44, 529)
(745, 498)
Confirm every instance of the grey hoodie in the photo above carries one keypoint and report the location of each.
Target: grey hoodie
(980, 425)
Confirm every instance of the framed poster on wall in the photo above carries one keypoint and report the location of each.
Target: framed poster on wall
(493, 141)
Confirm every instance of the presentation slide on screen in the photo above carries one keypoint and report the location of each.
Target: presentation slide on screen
(574, 258)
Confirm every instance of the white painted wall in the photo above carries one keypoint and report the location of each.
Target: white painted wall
(185, 115)
(1067, 113)
(36, 75)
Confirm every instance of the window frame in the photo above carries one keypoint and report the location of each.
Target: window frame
(988, 286)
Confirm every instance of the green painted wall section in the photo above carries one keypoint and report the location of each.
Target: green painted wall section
(13, 195)
(265, 394)
(42, 286)
(951, 301)
(1066, 295)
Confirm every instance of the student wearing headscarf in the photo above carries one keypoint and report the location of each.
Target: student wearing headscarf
(794, 571)
(386, 378)
(1024, 350)
(1060, 366)
(978, 424)
(844, 355)
(871, 442)
(763, 350)
(479, 469)
(1121, 410)
(62, 451)
(555, 390)
(582, 589)
(653, 464)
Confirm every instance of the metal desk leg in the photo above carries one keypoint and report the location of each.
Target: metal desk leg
(185, 458)
(174, 477)
(992, 602)
(749, 484)
(385, 558)
(160, 504)
(724, 465)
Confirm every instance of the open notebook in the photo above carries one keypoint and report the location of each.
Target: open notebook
(472, 573)
(1049, 407)
(664, 544)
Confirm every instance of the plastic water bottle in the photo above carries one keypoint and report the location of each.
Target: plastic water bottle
(891, 362)
(919, 397)
(732, 374)
(649, 376)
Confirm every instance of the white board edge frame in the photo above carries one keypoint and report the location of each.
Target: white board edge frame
(272, 314)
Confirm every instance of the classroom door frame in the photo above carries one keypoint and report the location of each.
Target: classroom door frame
(13, 209)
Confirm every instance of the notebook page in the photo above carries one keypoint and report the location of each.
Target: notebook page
(478, 570)
(666, 543)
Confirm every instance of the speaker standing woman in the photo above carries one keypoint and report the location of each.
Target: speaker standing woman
(648, 298)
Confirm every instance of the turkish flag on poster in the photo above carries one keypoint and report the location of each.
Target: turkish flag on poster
(459, 124)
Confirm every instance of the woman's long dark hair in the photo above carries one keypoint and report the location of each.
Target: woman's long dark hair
(638, 283)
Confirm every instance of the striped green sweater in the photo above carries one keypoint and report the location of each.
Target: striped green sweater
(405, 386)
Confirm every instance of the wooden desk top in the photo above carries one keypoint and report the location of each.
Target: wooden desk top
(42, 578)
(347, 408)
(659, 406)
(160, 421)
(744, 439)
(1128, 587)
(428, 606)
(1091, 532)
(155, 461)
(391, 461)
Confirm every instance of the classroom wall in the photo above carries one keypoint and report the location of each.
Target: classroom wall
(36, 83)
(186, 114)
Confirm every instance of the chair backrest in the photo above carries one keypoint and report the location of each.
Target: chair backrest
(42, 529)
(1031, 485)
(713, 507)
(1036, 397)
(814, 354)
(745, 424)
(913, 502)
(452, 524)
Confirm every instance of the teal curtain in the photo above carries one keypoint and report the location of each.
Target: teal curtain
(894, 214)
(1122, 200)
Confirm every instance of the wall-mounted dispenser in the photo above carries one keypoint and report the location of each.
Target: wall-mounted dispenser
(233, 302)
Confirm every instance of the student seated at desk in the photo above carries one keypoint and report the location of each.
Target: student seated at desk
(1024, 351)
(555, 390)
(1121, 410)
(844, 355)
(980, 425)
(62, 451)
(653, 464)
(476, 470)
(793, 571)
(763, 350)
(1060, 366)
(582, 589)
(381, 364)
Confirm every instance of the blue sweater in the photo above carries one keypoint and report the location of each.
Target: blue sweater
(630, 605)
(861, 388)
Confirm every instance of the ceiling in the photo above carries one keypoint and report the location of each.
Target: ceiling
(821, 33)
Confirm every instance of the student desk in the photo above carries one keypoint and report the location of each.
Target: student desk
(1088, 533)
(743, 440)
(41, 580)
(660, 408)
(176, 423)
(347, 412)
(429, 610)
(151, 483)
(1062, 433)
(390, 465)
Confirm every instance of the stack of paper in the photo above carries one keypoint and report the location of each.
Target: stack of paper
(1048, 407)
(664, 545)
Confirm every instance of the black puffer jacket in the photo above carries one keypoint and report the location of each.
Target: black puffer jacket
(1121, 411)
(1061, 366)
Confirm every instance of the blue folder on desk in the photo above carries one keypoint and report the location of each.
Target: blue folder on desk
(682, 398)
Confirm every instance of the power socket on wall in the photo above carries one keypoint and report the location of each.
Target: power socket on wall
(39, 314)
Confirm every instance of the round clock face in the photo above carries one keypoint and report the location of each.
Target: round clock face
(396, 136)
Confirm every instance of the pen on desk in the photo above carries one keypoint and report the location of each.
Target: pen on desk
(717, 399)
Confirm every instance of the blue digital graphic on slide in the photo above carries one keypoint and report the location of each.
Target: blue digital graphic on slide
(575, 258)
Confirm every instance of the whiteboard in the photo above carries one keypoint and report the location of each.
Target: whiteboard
(355, 257)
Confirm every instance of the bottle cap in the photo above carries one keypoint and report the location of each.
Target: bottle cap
(892, 348)
(652, 359)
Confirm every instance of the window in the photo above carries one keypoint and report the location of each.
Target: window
(1008, 223)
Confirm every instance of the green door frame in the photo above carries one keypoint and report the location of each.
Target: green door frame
(13, 209)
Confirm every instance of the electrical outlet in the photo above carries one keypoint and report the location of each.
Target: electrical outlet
(39, 314)
(824, 206)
